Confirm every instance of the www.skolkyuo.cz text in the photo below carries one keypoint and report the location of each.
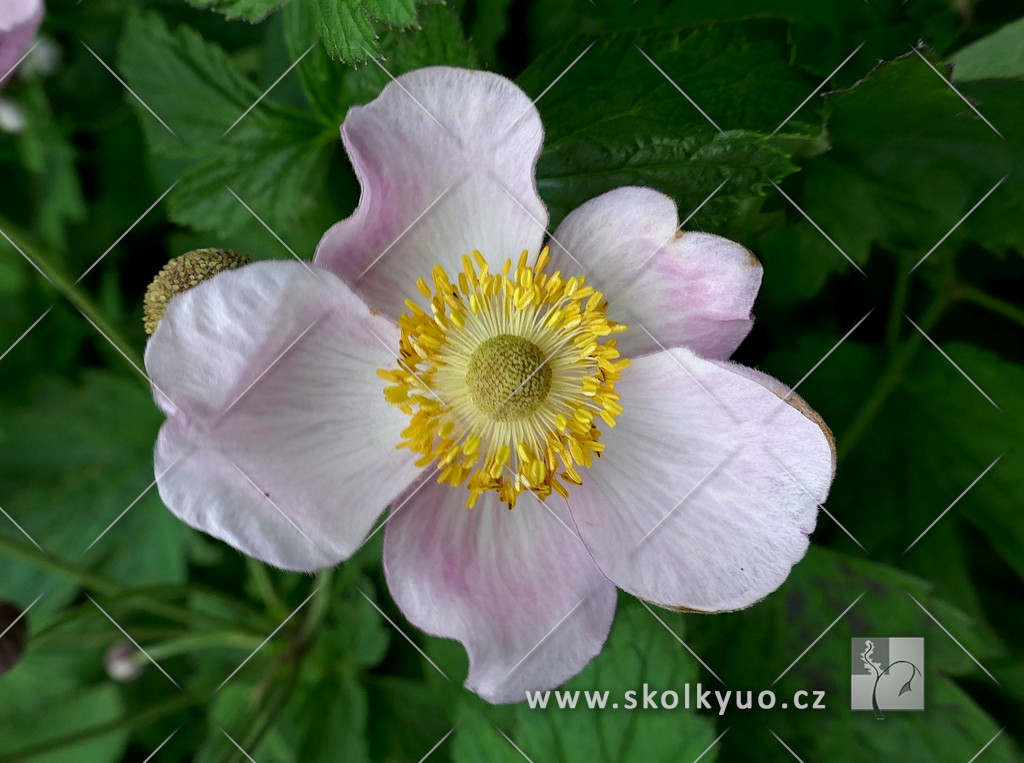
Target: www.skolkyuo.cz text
(690, 698)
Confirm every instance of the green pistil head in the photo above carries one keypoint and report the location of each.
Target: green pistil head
(508, 378)
(181, 274)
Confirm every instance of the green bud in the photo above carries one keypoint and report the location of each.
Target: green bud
(181, 274)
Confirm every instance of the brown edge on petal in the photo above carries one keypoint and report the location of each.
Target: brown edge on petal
(801, 405)
(693, 611)
(752, 261)
(786, 395)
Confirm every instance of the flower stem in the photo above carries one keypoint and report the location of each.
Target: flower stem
(67, 288)
(177, 703)
(273, 709)
(45, 561)
(318, 607)
(994, 304)
(82, 639)
(190, 643)
(268, 707)
(141, 598)
(890, 378)
(899, 300)
(265, 586)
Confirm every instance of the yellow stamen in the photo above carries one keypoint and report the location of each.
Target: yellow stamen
(504, 377)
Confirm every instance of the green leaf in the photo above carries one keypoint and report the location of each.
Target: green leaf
(1000, 54)
(967, 433)
(439, 41)
(333, 89)
(232, 709)
(909, 159)
(822, 34)
(755, 646)
(614, 119)
(14, 626)
(74, 459)
(347, 26)
(271, 162)
(489, 27)
(932, 404)
(412, 706)
(191, 84)
(272, 158)
(357, 636)
(50, 158)
(994, 223)
(51, 695)
(246, 10)
(476, 738)
(639, 654)
(340, 706)
(321, 79)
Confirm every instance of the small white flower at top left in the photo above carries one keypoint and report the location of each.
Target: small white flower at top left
(19, 22)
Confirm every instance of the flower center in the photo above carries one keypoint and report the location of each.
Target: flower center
(506, 377)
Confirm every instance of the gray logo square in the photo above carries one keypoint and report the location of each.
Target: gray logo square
(886, 674)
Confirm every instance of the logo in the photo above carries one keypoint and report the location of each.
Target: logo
(886, 674)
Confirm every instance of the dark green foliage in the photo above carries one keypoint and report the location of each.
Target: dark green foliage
(887, 159)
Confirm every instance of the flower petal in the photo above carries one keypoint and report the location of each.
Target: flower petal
(517, 588)
(708, 487)
(446, 161)
(19, 22)
(672, 289)
(278, 439)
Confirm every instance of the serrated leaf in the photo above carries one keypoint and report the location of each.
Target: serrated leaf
(247, 10)
(272, 163)
(909, 159)
(347, 26)
(392, 12)
(192, 85)
(440, 41)
(614, 119)
(272, 157)
(682, 167)
(822, 34)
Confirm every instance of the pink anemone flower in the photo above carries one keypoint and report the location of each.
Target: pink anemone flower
(19, 22)
(546, 423)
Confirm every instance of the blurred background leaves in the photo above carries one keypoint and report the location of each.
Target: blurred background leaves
(914, 360)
